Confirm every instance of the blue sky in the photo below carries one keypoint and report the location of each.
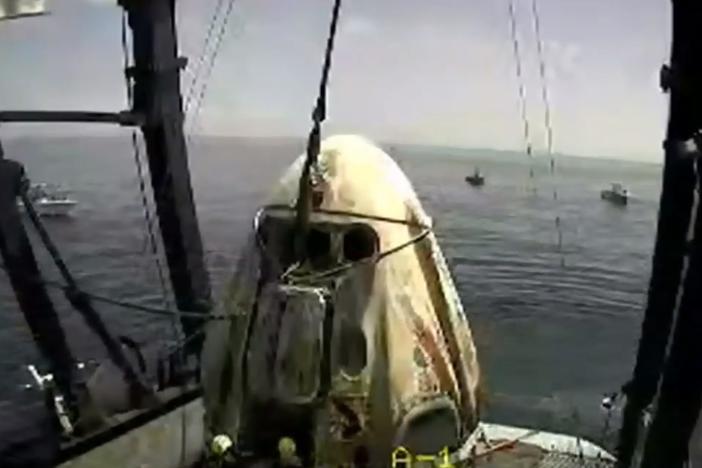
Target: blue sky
(431, 72)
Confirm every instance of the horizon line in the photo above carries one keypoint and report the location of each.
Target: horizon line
(387, 143)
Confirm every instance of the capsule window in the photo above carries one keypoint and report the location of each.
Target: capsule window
(277, 238)
(360, 243)
(318, 245)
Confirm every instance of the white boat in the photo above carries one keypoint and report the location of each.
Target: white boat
(49, 200)
(13, 9)
(617, 194)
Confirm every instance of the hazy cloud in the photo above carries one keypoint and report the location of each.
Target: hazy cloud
(356, 25)
(405, 70)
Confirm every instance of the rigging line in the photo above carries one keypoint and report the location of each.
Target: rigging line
(201, 58)
(46, 282)
(128, 304)
(521, 88)
(149, 220)
(155, 310)
(158, 192)
(80, 302)
(210, 65)
(179, 345)
(547, 121)
(148, 217)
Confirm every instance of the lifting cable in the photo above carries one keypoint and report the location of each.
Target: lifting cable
(208, 70)
(148, 216)
(197, 98)
(522, 92)
(201, 57)
(547, 122)
(304, 199)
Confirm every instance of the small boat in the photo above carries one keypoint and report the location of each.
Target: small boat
(49, 200)
(477, 179)
(616, 194)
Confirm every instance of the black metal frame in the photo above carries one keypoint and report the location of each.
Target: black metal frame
(680, 393)
(122, 118)
(26, 280)
(157, 109)
(156, 78)
(82, 446)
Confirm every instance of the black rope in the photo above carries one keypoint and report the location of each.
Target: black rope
(319, 114)
(40, 280)
(155, 310)
(128, 304)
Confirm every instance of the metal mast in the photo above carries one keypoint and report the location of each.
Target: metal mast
(157, 109)
(679, 398)
(157, 98)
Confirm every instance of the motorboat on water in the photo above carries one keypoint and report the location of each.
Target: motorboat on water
(477, 179)
(49, 200)
(616, 194)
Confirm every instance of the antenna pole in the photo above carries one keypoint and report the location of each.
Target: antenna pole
(156, 80)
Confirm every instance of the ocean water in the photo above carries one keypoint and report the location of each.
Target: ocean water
(556, 324)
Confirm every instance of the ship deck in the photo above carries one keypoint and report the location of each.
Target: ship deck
(495, 445)
(527, 456)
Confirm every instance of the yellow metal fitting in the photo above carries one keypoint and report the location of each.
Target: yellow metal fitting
(220, 444)
(287, 451)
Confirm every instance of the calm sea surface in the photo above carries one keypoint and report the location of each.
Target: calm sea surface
(556, 326)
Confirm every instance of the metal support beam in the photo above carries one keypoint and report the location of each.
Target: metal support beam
(81, 302)
(26, 280)
(124, 118)
(156, 79)
(679, 396)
